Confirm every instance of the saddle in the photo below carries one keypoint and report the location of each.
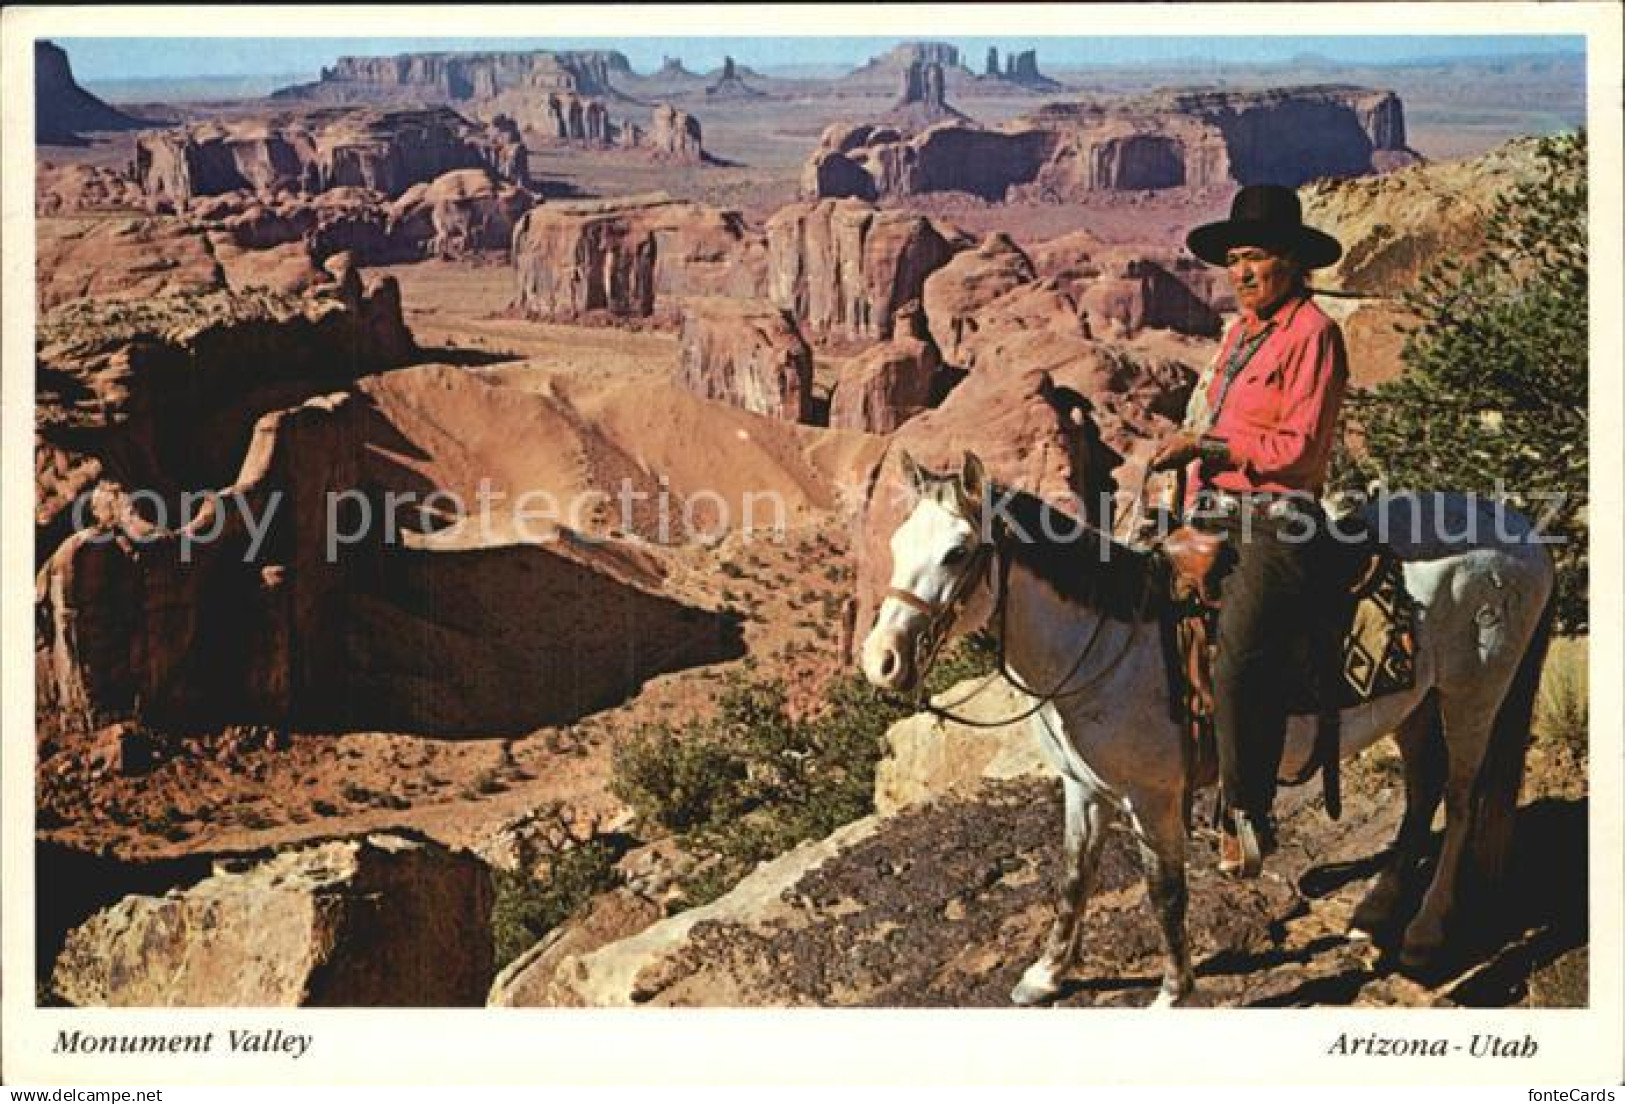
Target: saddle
(1362, 647)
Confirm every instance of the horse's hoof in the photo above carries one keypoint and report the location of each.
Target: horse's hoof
(1172, 998)
(1423, 941)
(1036, 986)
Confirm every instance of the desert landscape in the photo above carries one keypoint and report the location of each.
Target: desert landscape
(461, 479)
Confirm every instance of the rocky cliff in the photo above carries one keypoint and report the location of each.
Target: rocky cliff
(746, 352)
(632, 258)
(386, 151)
(845, 268)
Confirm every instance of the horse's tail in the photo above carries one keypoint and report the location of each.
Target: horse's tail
(1500, 775)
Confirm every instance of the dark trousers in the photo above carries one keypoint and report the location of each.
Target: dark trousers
(1268, 599)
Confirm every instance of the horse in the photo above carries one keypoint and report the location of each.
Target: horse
(1075, 614)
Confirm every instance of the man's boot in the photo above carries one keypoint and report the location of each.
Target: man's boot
(1244, 840)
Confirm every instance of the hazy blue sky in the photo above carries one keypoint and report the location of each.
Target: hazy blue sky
(109, 59)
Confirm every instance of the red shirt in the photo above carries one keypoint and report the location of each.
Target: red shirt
(1280, 415)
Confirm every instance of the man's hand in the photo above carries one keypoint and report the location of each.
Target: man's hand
(1177, 451)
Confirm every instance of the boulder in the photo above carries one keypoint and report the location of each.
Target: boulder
(632, 258)
(463, 212)
(528, 981)
(379, 921)
(746, 352)
(928, 757)
(640, 969)
(845, 268)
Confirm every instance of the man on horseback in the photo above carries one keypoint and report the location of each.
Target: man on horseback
(1256, 443)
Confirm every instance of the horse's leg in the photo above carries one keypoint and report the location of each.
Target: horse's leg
(1161, 833)
(1421, 745)
(1468, 719)
(1085, 832)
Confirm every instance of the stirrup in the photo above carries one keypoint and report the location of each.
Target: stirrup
(1241, 847)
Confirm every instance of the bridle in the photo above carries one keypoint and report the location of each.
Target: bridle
(941, 615)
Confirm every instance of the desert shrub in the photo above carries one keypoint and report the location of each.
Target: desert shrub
(1563, 709)
(753, 781)
(532, 902)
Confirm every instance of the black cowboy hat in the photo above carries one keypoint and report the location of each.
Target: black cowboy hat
(1268, 216)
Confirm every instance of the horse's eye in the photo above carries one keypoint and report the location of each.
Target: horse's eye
(954, 555)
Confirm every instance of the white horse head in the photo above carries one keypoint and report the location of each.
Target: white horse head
(941, 556)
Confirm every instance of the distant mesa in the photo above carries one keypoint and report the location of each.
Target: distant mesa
(1171, 139)
(908, 54)
(730, 83)
(461, 77)
(64, 112)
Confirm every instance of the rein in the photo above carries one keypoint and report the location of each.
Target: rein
(941, 616)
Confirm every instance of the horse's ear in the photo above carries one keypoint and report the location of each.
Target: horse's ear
(971, 487)
(912, 472)
(973, 478)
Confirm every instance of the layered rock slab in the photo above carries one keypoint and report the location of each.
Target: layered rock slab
(845, 268)
(382, 921)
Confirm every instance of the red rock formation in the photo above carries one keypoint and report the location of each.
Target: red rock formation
(632, 258)
(71, 189)
(383, 151)
(888, 383)
(845, 268)
(161, 393)
(121, 260)
(462, 212)
(746, 352)
(170, 621)
(675, 136)
(1194, 140)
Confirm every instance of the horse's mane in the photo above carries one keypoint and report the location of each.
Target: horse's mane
(1075, 559)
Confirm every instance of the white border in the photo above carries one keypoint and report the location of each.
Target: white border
(659, 1046)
